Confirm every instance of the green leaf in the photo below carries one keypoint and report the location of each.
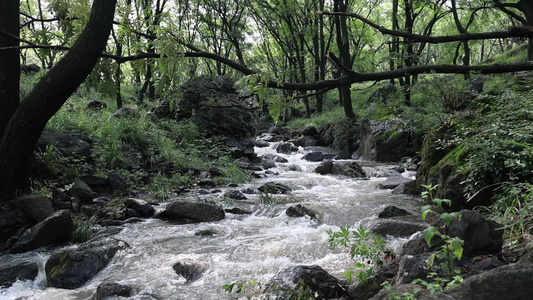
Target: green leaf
(447, 218)
(425, 210)
(429, 233)
(457, 248)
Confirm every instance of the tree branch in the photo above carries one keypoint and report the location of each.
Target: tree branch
(525, 32)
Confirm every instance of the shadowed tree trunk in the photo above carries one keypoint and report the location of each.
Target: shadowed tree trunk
(28, 121)
(9, 61)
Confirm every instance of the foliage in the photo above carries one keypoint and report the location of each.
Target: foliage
(83, 229)
(393, 296)
(249, 288)
(439, 284)
(369, 249)
(453, 246)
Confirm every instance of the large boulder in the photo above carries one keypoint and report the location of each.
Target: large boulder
(68, 144)
(71, 269)
(393, 211)
(196, 212)
(13, 222)
(36, 207)
(394, 182)
(480, 236)
(12, 269)
(313, 278)
(299, 210)
(141, 208)
(384, 141)
(82, 191)
(349, 169)
(55, 229)
(506, 282)
(342, 135)
(397, 228)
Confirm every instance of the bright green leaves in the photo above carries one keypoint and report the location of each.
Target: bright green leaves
(429, 233)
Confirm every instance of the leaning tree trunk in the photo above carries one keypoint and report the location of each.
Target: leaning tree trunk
(50, 93)
(9, 61)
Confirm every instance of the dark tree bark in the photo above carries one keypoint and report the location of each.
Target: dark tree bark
(9, 61)
(343, 44)
(50, 93)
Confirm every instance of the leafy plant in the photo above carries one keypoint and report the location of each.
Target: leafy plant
(368, 248)
(83, 229)
(453, 246)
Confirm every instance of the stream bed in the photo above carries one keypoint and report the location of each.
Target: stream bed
(242, 247)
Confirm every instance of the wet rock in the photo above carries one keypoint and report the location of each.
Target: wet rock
(324, 168)
(190, 271)
(142, 208)
(305, 141)
(260, 143)
(411, 267)
(55, 229)
(249, 191)
(286, 148)
(506, 282)
(206, 232)
(384, 141)
(241, 148)
(68, 144)
(235, 194)
(416, 245)
(295, 168)
(13, 269)
(117, 184)
(196, 212)
(82, 191)
(393, 211)
(312, 277)
(275, 158)
(274, 188)
(72, 268)
(349, 169)
(36, 207)
(397, 228)
(237, 211)
(408, 188)
(111, 291)
(314, 156)
(393, 182)
(299, 210)
(278, 130)
(269, 164)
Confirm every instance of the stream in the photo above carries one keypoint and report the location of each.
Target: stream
(244, 247)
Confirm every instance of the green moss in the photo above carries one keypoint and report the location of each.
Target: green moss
(456, 157)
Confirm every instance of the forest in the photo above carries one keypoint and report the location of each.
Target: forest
(125, 120)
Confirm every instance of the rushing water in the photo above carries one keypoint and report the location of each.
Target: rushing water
(245, 247)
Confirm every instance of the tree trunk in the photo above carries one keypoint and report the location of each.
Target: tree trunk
(343, 44)
(9, 62)
(50, 93)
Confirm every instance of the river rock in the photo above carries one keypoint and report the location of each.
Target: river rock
(196, 212)
(53, 230)
(385, 141)
(305, 141)
(190, 271)
(274, 188)
(349, 169)
(82, 191)
(68, 144)
(142, 208)
(13, 269)
(36, 207)
(312, 277)
(275, 158)
(393, 211)
(480, 236)
(72, 268)
(286, 148)
(393, 182)
(111, 291)
(397, 228)
(237, 211)
(299, 210)
(324, 167)
(235, 194)
(408, 188)
(486, 264)
(506, 282)
(314, 156)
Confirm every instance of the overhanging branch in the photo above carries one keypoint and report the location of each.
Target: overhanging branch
(525, 32)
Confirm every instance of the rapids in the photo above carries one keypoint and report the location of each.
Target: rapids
(244, 247)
